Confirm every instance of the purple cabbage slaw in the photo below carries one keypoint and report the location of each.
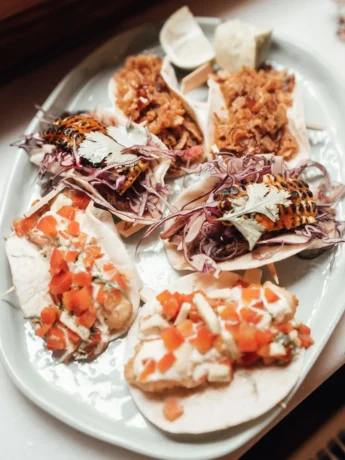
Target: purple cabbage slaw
(205, 241)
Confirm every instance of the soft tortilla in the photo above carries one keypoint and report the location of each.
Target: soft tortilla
(30, 270)
(135, 135)
(295, 115)
(251, 393)
(265, 254)
(169, 76)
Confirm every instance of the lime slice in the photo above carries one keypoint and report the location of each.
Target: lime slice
(184, 42)
(239, 44)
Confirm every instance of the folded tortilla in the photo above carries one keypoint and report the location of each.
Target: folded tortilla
(252, 392)
(264, 254)
(295, 115)
(30, 269)
(169, 77)
(127, 136)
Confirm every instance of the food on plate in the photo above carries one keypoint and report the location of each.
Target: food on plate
(73, 277)
(239, 44)
(118, 163)
(184, 42)
(257, 112)
(145, 91)
(225, 346)
(252, 211)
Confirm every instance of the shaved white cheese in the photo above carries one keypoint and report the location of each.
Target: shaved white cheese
(279, 309)
(219, 293)
(239, 44)
(153, 325)
(294, 337)
(69, 321)
(183, 313)
(200, 371)
(218, 373)
(230, 343)
(207, 313)
(277, 349)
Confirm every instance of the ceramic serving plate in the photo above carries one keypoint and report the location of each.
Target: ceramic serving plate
(93, 397)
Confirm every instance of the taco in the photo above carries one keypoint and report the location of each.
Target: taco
(207, 354)
(145, 91)
(117, 163)
(249, 212)
(72, 275)
(257, 112)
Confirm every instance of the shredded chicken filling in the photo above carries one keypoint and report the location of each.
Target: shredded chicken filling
(257, 104)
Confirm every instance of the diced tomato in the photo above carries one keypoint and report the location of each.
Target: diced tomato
(246, 338)
(56, 339)
(229, 312)
(47, 225)
(94, 251)
(172, 338)
(89, 262)
(250, 293)
(193, 314)
(108, 267)
(250, 316)
(100, 295)
(163, 296)
(306, 340)
(82, 279)
(241, 283)
(80, 200)
(172, 409)
(82, 240)
(118, 278)
(57, 262)
(304, 329)
(186, 298)
(171, 307)
(25, 225)
(233, 329)
(43, 330)
(166, 362)
(186, 328)
(68, 212)
(285, 328)
(264, 336)
(73, 337)
(150, 367)
(271, 296)
(87, 318)
(264, 351)
(71, 256)
(204, 340)
(259, 305)
(73, 228)
(60, 283)
(287, 356)
(77, 301)
(49, 315)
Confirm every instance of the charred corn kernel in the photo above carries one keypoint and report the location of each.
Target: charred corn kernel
(301, 211)
(132, 173)
(69, 132)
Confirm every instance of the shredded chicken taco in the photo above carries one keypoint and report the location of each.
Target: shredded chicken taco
(117, 163)
(252, 211)
(145, 91)
(257, 112)
(72, 275)
(206, 354)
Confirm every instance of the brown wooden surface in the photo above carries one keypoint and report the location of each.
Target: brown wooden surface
(37, 34)
(12, 7)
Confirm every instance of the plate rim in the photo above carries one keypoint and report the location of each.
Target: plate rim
(64, 416)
